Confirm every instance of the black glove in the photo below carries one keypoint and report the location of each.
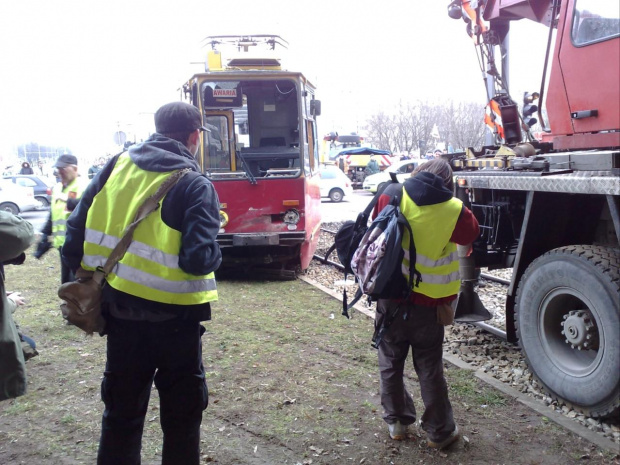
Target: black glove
(42, 247)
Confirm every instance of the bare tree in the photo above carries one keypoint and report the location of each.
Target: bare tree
(380, 128)
(410, 128)
(461, 125)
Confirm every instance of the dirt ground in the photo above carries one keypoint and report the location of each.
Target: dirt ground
(290, 380)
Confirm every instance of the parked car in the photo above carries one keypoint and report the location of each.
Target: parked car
(41, 186)
(16, 199)
(334, 183)
(403, 170)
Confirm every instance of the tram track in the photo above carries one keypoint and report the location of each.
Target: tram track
(483, 346)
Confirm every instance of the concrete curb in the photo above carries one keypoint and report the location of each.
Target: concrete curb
(577, 428)
(573, 426)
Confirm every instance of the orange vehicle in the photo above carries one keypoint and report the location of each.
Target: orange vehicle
(261, 153)
(549, 209)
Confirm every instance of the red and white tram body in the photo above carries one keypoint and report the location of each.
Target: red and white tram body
(262, 155)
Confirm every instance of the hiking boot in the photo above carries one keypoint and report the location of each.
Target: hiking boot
(454, 436)
(398, 431)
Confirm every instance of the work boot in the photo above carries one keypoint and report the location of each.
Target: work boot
(454, 436)
(28, 351)
(398, 431)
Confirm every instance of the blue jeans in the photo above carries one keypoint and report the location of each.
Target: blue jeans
(421, 333)
(138, 353)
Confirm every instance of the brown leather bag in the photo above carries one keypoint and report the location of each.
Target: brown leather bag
(81, 304)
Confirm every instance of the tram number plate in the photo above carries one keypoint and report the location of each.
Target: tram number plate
(241, 240)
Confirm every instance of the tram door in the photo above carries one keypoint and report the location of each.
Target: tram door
(218, 141)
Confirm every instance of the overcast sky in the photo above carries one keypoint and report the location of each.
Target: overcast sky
(75, 71)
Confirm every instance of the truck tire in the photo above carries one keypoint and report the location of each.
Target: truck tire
(567, 316)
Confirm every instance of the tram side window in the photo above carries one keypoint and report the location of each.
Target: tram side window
(242, 124)
(312, 145)
(216, 143)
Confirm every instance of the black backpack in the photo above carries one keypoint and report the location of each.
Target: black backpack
(377, 262)
(347, 241)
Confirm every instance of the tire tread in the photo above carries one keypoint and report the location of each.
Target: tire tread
(605, 259)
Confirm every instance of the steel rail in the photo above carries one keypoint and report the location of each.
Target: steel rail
(490, 277)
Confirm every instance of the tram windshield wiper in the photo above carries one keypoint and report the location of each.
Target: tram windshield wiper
(246, 168)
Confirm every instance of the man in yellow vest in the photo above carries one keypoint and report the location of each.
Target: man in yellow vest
(159, 292)
(438, 222)
(65, 197)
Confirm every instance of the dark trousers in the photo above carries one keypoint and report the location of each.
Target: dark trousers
(420, 332)
(138, 352)
(66, 275)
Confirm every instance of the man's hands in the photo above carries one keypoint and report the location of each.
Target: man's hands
(17, 298)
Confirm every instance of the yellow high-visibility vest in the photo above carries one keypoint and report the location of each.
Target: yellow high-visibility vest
(436, 258)
(150, 267)
(59, 211)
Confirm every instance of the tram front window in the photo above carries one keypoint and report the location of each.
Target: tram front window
(266, 129)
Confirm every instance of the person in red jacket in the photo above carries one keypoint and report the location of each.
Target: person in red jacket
(439, 222)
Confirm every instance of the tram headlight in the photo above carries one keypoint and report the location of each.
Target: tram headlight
(223, 218)
(291, 216)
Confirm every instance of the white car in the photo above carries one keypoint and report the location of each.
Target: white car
(403, 170)
(16, 199)
(334, 183)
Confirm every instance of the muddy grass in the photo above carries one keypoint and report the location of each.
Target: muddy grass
(290, 380)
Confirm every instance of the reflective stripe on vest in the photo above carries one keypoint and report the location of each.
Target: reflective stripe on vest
(150, 267)
(148, 280)
(437, 259)
(58, 210)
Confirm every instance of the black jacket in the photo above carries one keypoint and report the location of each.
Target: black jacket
(191, 207)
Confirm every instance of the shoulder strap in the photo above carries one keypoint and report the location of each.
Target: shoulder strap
(329, 251)
(150, 205)
(374, 200)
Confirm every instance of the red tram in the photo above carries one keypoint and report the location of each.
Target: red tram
(262, 155)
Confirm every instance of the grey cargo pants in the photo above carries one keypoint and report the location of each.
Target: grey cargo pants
(424, 335)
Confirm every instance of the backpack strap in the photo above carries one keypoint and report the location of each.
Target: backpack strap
(329, 251)
(375, 199)
(348, 306)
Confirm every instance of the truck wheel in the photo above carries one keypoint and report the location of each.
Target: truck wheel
(9, 207)
(336, 195)
(567, 316)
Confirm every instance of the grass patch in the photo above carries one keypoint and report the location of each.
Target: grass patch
(286, 383)
(464, 386)
(18, 407)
